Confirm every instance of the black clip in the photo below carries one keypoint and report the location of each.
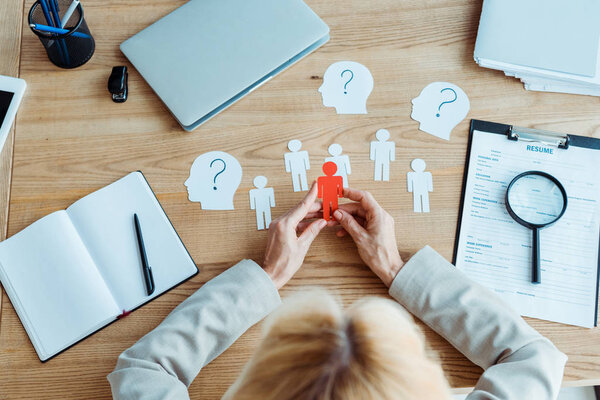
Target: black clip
(117, 84)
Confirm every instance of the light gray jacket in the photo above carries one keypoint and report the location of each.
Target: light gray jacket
(519, 363)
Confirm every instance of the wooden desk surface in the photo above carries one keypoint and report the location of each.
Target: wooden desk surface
(72, 139)
(10, 50)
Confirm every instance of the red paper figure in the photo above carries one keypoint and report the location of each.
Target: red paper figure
(330, 188)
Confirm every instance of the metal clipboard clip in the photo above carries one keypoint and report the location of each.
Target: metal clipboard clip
(549, 138)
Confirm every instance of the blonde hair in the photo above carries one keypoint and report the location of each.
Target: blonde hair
(313, 350)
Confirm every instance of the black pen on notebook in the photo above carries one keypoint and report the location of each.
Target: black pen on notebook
(148, 278)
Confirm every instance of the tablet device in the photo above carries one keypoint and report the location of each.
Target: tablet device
(11, 93)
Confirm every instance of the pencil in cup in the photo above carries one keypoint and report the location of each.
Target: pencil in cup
(68, 46)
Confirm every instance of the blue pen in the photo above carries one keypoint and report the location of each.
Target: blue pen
(46, 12)
(50, 22)
(60, 31)
(47, 7)
(61, 42)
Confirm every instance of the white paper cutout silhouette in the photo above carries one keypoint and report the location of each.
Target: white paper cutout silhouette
(420, 183)
(213, 181)
(382, 152)
(342, 162)
(261, 200)
(347, 86)
(296, 163)
(439, 108)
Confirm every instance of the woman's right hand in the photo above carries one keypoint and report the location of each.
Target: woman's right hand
(372, 229)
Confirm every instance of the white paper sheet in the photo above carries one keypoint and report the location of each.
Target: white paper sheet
(548, 81)
(495, 251)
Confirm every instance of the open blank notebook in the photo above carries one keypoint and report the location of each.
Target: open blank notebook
(494, 250)
(76, 270)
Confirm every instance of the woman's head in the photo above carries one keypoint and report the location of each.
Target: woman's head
(314, 350)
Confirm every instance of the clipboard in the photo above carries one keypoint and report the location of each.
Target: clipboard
(540, 140)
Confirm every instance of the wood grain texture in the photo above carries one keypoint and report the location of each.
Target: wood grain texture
(10, 51)
(72, 139)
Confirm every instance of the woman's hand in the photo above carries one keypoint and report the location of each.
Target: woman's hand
(372, 229)
(285, 249)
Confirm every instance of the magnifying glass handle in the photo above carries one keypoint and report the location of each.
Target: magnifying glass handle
(536, 272)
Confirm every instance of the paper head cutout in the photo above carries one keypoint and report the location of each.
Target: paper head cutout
(214, 179)
(347, 86)
(329, 168)
(335, 149)
(418, 165)
(260, 182)
(382, 135)
(294, 145)
(439, 108)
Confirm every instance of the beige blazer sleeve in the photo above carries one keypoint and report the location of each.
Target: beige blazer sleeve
(162, 364)
(519, 363)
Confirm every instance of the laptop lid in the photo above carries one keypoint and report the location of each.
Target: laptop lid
(209, 53)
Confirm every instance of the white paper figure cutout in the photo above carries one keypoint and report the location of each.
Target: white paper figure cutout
(420, 183)
(347, 86)
(261, 200)
(382, 152)
(296, 163)
(439, 108)
(214, 179)
(342, 162)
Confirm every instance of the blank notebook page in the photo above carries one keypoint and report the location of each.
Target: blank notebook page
(104, 220)
(54, 285)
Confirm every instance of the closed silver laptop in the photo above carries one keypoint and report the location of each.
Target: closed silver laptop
(208, 54)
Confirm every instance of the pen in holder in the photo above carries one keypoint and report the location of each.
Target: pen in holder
(69, 44)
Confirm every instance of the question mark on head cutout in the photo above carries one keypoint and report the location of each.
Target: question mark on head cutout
(350, 80)
(446, 102)
(218, 173)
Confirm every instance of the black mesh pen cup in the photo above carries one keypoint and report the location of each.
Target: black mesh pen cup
(68, 43)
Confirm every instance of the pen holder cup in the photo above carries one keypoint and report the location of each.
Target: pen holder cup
(69, 49)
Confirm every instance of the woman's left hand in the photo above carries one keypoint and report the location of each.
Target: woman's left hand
(285, 249)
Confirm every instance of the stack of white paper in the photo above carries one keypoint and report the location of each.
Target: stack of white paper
(550, 45)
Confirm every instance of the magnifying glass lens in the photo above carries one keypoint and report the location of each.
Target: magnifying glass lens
(536, 200)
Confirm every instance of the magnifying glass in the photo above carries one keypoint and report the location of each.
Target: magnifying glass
(536, 200)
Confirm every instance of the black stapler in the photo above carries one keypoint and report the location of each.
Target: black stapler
(117, 84)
